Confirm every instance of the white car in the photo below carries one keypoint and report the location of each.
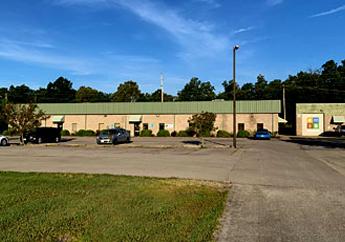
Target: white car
(3, 141)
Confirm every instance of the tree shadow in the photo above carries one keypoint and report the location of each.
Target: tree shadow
(330, 143)
(216, 142)
(329, 134)
(65, 140)
(192, 142)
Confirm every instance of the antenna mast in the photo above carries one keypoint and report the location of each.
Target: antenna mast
(162, 88)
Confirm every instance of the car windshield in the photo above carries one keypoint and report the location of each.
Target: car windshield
(104, 133)
(262, 132)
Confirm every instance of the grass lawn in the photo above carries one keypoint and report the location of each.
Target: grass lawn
(66, 207)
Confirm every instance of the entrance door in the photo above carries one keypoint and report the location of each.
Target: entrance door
(136, 129)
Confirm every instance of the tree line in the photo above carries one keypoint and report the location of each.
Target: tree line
(326, 84)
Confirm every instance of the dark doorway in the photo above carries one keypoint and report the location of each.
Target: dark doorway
(260, 126)
(136, 129)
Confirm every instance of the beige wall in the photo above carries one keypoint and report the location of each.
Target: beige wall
(304, 120)
(172, 122)
(326, 124)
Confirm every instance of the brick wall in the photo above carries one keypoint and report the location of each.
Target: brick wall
(172, 122)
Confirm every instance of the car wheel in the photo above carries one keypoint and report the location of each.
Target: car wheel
(4, 142)
(114, 141)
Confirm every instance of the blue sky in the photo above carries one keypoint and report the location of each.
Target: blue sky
(101, 43)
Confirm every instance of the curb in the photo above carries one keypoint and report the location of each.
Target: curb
(188, 146)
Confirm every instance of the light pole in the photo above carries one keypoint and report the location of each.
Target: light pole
(236, 47)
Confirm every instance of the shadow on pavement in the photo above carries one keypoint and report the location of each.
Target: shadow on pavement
(330, 143)
(192, 142)
(65, 140)
(216, 142)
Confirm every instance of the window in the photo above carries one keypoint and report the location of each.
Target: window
(162, 126)
(241, 127)
(260, 126)
(145, 126)
(74, 127)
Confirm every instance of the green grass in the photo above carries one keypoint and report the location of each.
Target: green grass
(66, 207)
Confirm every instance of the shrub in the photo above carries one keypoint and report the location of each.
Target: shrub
(173, 134)
(224, 134)
(182, 133)
(202, 124)
(205, 133)
(243, 134)
(146, 133)
(84, 133)
(65, 132)
(163, 133)
(9, 132)
(190, 132)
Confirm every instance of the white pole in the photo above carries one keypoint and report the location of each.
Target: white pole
(162, 88)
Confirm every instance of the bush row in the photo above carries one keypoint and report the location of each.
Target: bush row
(165, 133)
(240, 134)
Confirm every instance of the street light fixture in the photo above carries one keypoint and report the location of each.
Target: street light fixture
(236, 47)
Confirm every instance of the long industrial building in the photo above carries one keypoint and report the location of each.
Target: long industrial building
(171, 116)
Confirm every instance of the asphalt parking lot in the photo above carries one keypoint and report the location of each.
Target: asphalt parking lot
(149, 142)
(282, 190)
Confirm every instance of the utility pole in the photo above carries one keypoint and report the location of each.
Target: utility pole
(236, 47)
(162, 88)
(284, 101)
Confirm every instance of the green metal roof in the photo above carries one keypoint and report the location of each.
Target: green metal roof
(218, 107)
(328, 108)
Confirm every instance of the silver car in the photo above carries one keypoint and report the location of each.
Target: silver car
(113, 136)
(3, 141)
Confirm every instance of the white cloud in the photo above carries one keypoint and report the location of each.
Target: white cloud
(18, 52)
(329, 12)
(106, 63)
(198, 38)
(238, 31)
(274, 2)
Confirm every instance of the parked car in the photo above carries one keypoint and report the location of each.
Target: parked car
(43, 135)
(113, 136)
(340, 130)
(3, 140)
(263, 134)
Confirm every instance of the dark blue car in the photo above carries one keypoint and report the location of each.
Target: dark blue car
(263, 135)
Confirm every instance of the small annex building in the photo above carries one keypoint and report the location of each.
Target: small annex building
(314, 119)
(171, 116)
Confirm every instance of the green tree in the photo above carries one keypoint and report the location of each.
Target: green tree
(20, 94)
(247, 92)
(23, 118)
(127, 92)
(260, 87)
(3, 124)
(60, 91)
(88, 94)
(228, 93)
(156, 97)
(41, 95)
(274, 90)
(197, 90)
(202, 124)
